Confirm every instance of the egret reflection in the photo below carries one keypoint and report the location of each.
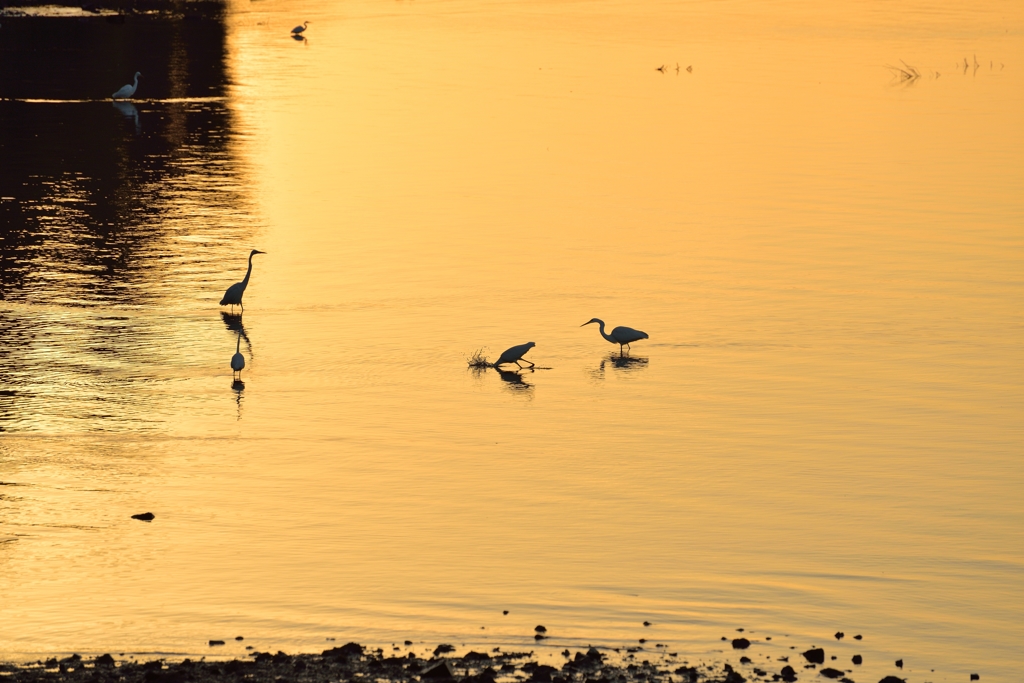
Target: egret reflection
(628, 364)
(234, 323)
(128, 110)
(514, 380)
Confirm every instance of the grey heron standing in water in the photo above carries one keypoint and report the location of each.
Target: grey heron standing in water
(238, 360)
(514, 355)
(233, 296)
(299, 29)
(623, 336)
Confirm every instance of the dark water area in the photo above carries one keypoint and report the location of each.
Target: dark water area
(102, 202)
(80, 172)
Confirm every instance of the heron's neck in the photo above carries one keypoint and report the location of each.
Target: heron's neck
(600, 324)
(248, 272)
(238, 346)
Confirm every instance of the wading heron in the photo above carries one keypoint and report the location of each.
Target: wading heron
(126, 92)
(623, 336)
(514, 355)
(299, 29)
(238, 360)
(233, 297)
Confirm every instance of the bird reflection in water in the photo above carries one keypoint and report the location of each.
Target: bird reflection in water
(238, 386)
(625, 363)
(514, 380)
(233, 322)
(128, 110)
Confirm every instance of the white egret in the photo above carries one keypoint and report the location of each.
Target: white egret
(126, 92)
(514, 355)
(623, 336)
(234, 294)
(238, 360)
(299, 29)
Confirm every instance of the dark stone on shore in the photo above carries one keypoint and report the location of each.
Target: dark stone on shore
(344, 652)
(592, 653)
(475, 656)
(892, 679)
(831, 673)
(857, 659)
(441, 672)
(788, 674)
(899, 663)
(540, 629)
(239, 638)
(408, 642)
(155, 665)
(508, 667)
(734, 677)
(504, 611)
(643, 640)
(975, 677)
(815, 655)
(745, 660)
(840, 635)
(281, 658)
(540, 673)
(145, 516)
(858, 637)
(216, 642)
(104, 660)
(647, 623)
(740, 643)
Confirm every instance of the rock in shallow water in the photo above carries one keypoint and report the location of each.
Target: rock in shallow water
(857, 659)
(831, 673)
(145, 516)
(788, 674)
(815, 655)
(740, 643)
(892, 679)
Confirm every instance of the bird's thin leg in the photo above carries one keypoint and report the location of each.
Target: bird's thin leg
(526, 361)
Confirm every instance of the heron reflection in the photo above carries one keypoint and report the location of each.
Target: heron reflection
(128, 110)
(234, 323)
(514, 380)
(628, 364)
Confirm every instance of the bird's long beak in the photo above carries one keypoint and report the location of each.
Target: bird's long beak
(586, 323)
(260, 252)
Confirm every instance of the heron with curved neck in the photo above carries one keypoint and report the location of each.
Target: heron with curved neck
(233, 297)
(299, 29)
(126, 92)
(238, 360)
(623, 336)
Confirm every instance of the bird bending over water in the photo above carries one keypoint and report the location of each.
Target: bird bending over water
(234, 294)
(299, 29)
(623, 336)
(126, 92)
(238, 360)
(514, 355)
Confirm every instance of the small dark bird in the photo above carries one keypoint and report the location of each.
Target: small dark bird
(661, 68)
(840, 635)
(647, 623)
(540, 629)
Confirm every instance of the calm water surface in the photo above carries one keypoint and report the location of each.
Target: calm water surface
(824, 431)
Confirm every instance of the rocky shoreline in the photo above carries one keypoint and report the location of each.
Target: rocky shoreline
(353, 663)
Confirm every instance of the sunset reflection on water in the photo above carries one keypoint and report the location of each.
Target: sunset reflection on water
(822, 433)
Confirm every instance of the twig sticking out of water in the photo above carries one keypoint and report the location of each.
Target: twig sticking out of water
(906, 73)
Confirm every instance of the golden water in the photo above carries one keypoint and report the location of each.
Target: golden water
(823, 432)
